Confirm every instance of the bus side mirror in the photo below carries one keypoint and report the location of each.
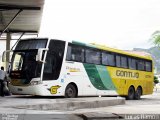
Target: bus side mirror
(40, 54)
(5, 55)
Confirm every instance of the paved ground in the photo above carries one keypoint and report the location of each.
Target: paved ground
(149, 104)
(33, 104)
(47, 108)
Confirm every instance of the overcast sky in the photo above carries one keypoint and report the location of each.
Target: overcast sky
(123, 24)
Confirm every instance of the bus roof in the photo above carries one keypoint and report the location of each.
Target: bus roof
(103, 47)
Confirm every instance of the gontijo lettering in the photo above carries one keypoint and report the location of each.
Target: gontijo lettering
(127, 74)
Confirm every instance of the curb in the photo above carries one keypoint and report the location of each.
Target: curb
(76, 103)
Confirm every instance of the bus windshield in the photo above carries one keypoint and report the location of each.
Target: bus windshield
(24, 66)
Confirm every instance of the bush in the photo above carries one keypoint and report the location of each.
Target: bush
(156, 80)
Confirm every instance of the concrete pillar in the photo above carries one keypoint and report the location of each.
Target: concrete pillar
(8, 41)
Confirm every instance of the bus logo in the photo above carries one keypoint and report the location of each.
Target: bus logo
(54, 89)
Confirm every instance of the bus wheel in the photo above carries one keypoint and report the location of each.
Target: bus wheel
(131, 93)
(70, 91)
(138, 93)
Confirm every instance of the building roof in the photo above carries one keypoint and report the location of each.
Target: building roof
(20, 16)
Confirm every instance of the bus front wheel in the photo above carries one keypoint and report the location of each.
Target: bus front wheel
(131, 93)
(138, 93)
(70, 91)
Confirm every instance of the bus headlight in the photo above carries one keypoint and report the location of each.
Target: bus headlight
(35, 82)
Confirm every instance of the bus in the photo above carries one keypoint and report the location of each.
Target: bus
(50, 67)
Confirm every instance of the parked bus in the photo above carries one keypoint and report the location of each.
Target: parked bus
(49, 67)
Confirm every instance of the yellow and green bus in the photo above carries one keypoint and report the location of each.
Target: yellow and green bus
(50, 67)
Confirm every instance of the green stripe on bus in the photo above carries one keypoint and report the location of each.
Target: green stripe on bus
(83, 44)
(105, 77)
(94, 76)
(78, 43)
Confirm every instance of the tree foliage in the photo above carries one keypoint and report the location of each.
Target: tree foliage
(156, 38)
(156, 80)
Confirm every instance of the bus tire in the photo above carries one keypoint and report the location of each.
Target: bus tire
(138, 93)
(71, 91)
(131, 93)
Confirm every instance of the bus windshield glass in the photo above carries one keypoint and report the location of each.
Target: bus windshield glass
(24, 66)
(31, 44)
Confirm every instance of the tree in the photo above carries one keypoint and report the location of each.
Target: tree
(156, 38)
(156, 80)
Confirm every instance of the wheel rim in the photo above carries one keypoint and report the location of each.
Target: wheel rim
(138, 93)
(70, 92)
(131, 93)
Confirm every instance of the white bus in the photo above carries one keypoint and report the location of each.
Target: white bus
(49, 67)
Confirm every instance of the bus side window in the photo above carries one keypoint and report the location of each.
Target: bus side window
(75, 53)
(121, 61)
(48, 64)
(104, 59)
(148, 66)
(108, 59)
(68, 57)
(124, 62)
(132, 63)
(118, 61)
(93, 56)
(141, 65)
(54, 59)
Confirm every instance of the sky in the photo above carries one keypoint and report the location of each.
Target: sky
(123, 24)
